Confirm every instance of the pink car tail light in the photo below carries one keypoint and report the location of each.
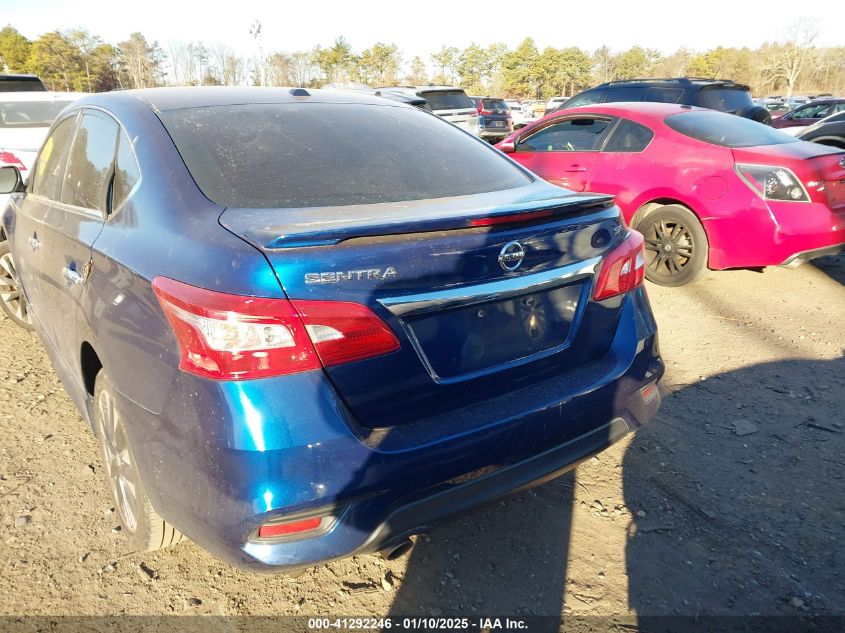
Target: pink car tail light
(773, 183)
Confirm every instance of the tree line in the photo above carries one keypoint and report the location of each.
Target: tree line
(76, 60)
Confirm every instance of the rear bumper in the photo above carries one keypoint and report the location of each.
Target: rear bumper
(223, 458)
(795, 260)
(494, 132)
(410, 517)
(774, 234)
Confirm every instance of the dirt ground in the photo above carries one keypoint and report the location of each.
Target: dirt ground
(730, 502)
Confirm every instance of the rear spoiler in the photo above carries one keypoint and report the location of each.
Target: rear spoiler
(324, 226)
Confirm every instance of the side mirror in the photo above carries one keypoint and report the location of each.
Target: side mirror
(508, 146)
(11, 180)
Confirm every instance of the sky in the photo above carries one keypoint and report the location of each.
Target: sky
(420, 28)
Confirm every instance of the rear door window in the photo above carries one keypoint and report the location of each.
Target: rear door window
(814, 111)
(582, 134)
(126, 172)
(664, 95)
(624, 93)
(89, 167)
(629, 137)
(49, 170)
(447, 100)
(322, 154)
(586, 98)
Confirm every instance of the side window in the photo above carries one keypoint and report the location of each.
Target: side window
(587, 98)
(624, 93)
(664, 95)
(49, 170)
(839, 107)
(629, 137)
(570, 135)
(126, 172)
(90, 163)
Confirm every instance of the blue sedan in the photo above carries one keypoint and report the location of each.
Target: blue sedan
(305, 324)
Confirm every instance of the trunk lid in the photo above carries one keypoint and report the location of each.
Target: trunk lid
(486, 293)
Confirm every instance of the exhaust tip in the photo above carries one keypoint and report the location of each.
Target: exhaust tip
(398, 551)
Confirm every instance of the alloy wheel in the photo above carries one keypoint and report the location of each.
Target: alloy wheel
(669, 247)
(120, 471)
(10, 289)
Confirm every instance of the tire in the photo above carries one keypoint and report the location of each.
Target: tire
(12, 299)
(676, 246)
(146, 530)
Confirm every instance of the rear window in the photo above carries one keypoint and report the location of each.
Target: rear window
(21, 84)
(726, 130)
(494, 104)
(725, 99)
(20, 114)
(317, 154)
(447, 100)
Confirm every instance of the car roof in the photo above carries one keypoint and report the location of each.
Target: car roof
(416, 89)
(675, 81)
(165, 99)
(637, 110)
(41, 95)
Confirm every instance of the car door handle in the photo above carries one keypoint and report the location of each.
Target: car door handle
(34, 243)
(575, 168)
(72, 276)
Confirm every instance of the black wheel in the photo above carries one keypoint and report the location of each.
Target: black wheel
(12, 299)
(676, 246)
(146, 530)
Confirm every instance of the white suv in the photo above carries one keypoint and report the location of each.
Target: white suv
(448, 102)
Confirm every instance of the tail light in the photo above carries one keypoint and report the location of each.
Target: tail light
(235, 337)
(10, 159)
(772, 183)
(623, 268)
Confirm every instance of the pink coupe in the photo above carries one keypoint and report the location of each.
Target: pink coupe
(706, 189)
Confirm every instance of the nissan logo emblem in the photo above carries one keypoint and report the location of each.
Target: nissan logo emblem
(511, 256)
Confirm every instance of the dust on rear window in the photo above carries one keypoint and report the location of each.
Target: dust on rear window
(317, 154)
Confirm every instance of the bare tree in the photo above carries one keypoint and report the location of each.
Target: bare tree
(787, 59)
(303, 68)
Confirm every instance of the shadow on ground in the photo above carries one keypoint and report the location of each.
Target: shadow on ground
(739, 484)
(740, 478)
(833, 267)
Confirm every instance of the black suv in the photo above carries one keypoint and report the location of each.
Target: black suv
(716, 94)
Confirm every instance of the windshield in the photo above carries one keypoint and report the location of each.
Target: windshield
(725, 99)
(18, 114)
(448, 100)
(319, 154)
(726, 130)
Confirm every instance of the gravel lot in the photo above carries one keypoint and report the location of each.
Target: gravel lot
(730, 502)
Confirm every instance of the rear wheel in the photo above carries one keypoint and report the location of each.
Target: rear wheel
(676, 246)
(146, 530)
(12, 299)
